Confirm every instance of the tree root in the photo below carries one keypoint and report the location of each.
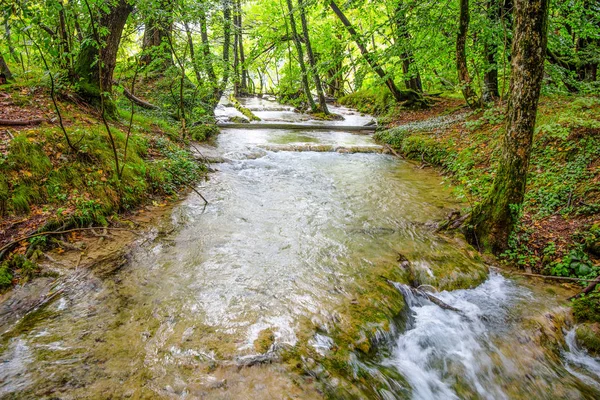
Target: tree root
(137, 100)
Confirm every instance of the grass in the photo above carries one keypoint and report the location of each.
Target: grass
(44, 183)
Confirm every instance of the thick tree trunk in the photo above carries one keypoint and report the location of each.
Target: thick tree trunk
(64, 44)
(464, 78)
(311, 59)
(157, 33)
(493, 220)
(305, 85)
(91, 83)
(412, 78)
(409, 96)
(4, 70)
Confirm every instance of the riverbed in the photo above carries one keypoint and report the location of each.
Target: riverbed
(280, 288)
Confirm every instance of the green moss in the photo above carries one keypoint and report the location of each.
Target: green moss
(588, 336)
(265, 340)
(587, 308)
(376, 102)
(6, 276)
(203, 132)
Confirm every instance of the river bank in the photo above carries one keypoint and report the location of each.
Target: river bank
(291, 280)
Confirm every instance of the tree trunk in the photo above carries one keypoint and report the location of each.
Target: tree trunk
(64, 48)
(493, 220)
(236, 54)
(190, 41)
(157, 33)
(91, 83)
(409, 96)
(311, 59)
(464, 78)
(226, 47)
(243, 66)
(296, 37)
(412, 78)
(4, 70)
(490, 50)
(207, 55)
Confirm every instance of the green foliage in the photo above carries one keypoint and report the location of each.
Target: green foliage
(6, 276)
(203, 132)
(375, 101)
(587, 308)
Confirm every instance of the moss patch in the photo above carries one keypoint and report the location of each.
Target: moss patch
(588, 336)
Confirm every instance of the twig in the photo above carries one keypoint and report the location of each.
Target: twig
(9, 245)
(189, 186)
(588, 289)
(560, 278)
(20, 122)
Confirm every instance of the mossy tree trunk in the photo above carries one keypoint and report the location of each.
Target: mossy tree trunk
(410, 97)
(91, 82)
(493, 220)
(298, 43)
(471, 97)
(311, 59)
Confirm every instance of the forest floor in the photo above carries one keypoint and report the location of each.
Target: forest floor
(559, 231)
(47, 186)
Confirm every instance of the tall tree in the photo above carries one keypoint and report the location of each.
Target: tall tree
(490, 50)
(493, 220)
(400, 96)
(298, 43)
(157, 33)
(311, 59)
(92, 83)
(412, 78)
(464, 78)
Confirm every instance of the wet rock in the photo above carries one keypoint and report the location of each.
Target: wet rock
(588, 337)
(265, 340)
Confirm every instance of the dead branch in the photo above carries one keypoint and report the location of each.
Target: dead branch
(21, 122)
(137, 100)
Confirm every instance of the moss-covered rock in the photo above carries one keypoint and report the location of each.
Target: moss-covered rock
(265, 340)
(588, 337)
(202, 132)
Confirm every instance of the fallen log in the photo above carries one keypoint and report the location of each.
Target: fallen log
(306, 127)
(21, 122)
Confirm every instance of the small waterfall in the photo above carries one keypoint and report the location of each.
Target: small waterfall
(580, 363)
(443, 350)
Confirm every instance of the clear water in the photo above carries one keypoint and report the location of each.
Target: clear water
(283, 239)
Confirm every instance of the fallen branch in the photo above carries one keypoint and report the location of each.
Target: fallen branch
(138, 101)
(14, 242)
(588, 289)
(189, 186)
(20, 122)
(560, 278)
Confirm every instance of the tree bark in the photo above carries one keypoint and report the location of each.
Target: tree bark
(409, 96)
(4, 70)
(305, 85)
(311, 59)
(493, 220)
(157, 32)
(91, 83)
(464, 78)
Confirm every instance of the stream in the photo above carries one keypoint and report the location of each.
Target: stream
(244, 298)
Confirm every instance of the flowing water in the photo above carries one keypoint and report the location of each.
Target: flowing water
(288, 247)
